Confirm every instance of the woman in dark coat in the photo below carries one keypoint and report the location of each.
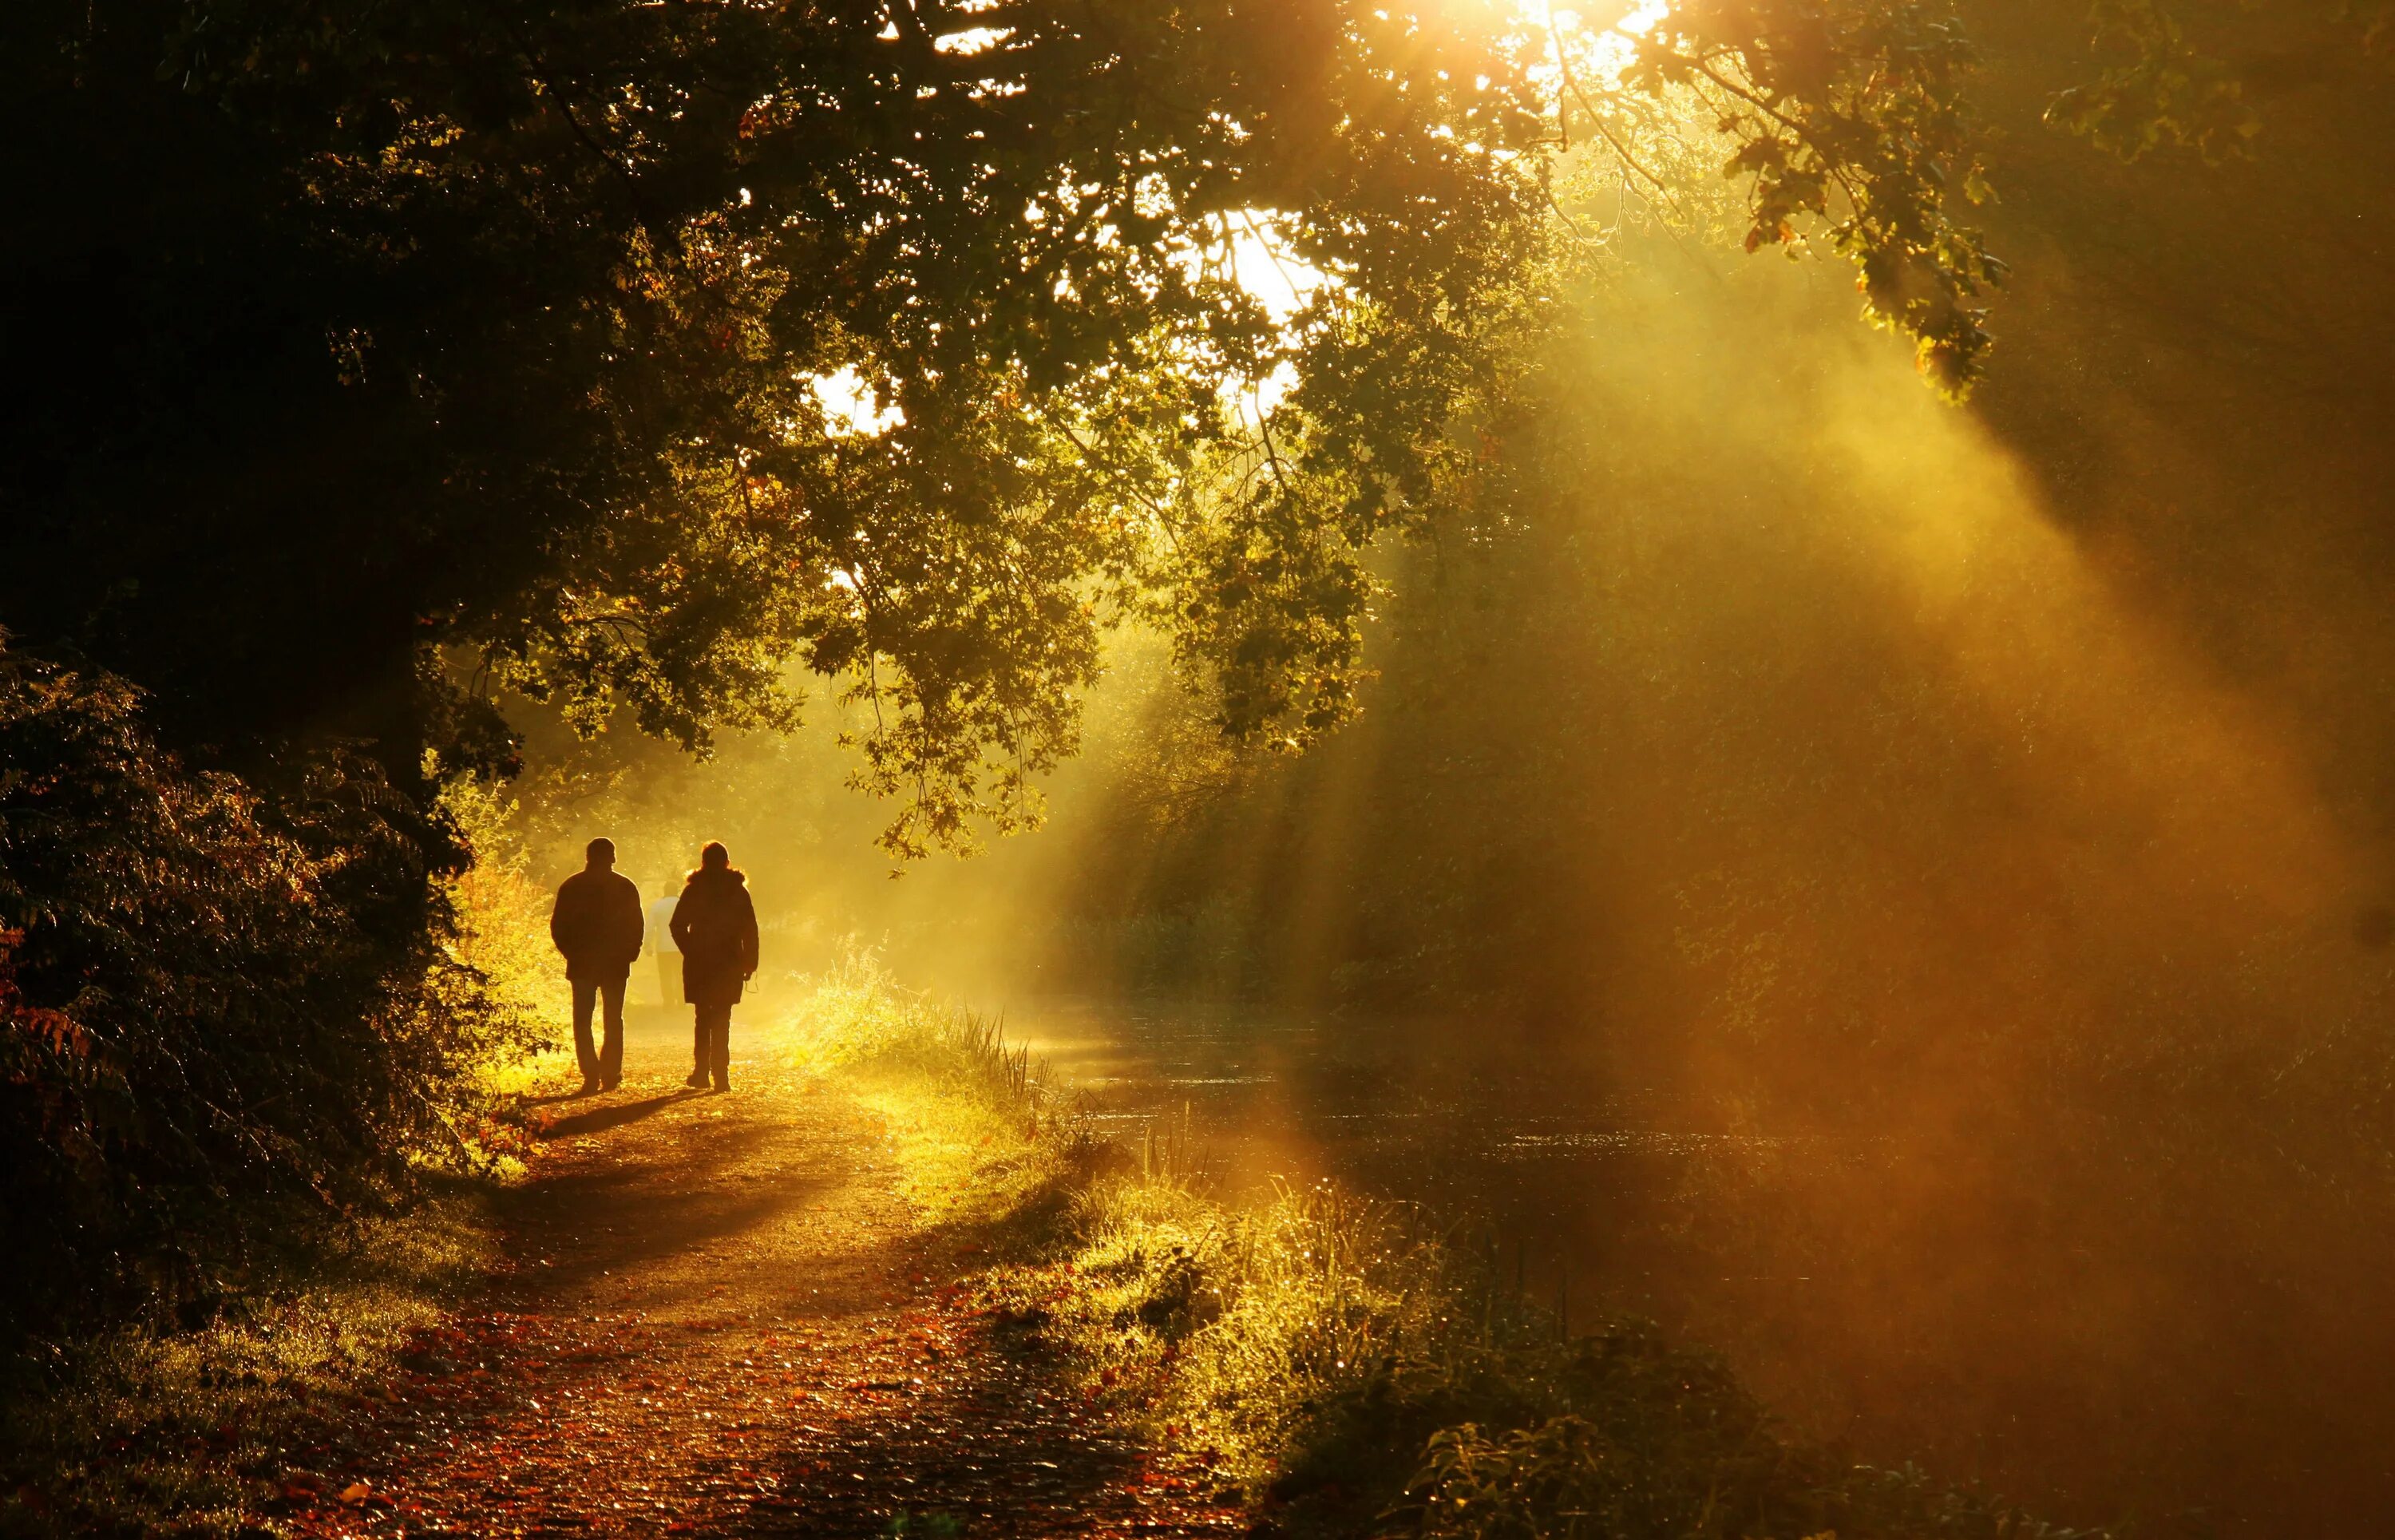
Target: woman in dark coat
(715, 925)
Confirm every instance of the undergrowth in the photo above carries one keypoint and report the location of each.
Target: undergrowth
(1346, 1366)
(228, 1006)
(982, 1143)
(186, 1426)
(224, 1225)
(139, 1432)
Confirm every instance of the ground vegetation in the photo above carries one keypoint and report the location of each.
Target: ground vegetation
(132, 1431)
(1340, 1366)
(223, 1014)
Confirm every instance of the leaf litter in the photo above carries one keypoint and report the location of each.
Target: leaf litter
(717, 1317)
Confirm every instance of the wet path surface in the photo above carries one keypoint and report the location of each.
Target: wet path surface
(717, 1316)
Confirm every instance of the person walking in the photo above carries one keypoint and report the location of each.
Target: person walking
(715, 925)
(596, 923)
(668, 955)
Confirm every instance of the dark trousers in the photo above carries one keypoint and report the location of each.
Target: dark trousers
(605, 1065)
(711, 1043)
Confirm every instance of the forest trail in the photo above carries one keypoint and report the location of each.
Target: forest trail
(717, 1316)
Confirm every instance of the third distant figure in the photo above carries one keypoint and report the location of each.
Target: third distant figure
(661, 943)
(715, 925)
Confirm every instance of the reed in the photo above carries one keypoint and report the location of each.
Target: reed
(984, 1138)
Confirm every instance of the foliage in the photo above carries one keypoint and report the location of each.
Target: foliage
(209, 1001)
(1351, 1368)
(501, 914)
(130, 1430)
(2195, 76)
(1851, 112)
(2162, 90)
(558, 304)
(546, 296)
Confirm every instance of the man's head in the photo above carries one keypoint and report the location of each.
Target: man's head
(599, 854)
(714, 857)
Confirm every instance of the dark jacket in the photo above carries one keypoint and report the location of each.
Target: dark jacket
(715, 925)
(597, 924)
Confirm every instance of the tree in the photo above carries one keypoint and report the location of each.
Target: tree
(379, 326)
(370, 328)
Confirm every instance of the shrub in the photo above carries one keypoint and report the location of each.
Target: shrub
(225, 1004)
(1362, 1374)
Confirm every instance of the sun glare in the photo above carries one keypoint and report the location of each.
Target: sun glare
(1603, 35)
(850, 408)
(1263, 264)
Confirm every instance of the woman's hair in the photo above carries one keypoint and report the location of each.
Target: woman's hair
(714, 861)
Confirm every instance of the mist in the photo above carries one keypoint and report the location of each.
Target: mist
(1488, 768)
(1955, 837)
(1770, 750)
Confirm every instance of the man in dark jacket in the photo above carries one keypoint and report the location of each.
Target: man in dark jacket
(715, 925)
(597, 925)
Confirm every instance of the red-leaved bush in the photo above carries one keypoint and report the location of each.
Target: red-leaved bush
(224, 1001)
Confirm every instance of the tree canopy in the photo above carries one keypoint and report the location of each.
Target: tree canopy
(369, 329)
(642, 350)
(374, 327)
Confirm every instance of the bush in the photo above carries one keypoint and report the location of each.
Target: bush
(225, 1004)
(1333, 1360)
(1363, 1374)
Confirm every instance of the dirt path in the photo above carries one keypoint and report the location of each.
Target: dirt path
(716, 1317)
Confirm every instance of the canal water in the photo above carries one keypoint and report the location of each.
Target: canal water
(1754, 1243)
(1581, 1185)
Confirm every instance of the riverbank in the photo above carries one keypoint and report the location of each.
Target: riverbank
(1340, 1366)
(690, 1314)
(896, 1285)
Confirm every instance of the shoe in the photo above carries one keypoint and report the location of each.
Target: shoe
(722, 1087)
(589, 1088)
(698, 1080)
(609, 1085)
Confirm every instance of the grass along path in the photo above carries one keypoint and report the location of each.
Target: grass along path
(722, 1315)
(888, 1286)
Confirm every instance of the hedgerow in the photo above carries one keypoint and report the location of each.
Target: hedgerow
(228, 1010)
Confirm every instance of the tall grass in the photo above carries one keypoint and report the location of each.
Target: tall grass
(1344, 1365)
(983, 1138)
(859, 1019)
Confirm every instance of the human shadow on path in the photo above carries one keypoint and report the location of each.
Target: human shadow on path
(992, 1435)
(602, 1118)
(674, 1193)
